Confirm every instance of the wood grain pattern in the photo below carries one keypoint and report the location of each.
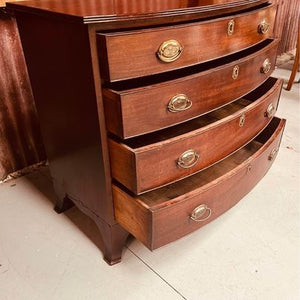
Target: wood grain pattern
(67, 109)
(131, 112)
(147, 163)
(20, 139)
(286, 22)
(133, 54)
(59, 41)
(169, 208)
(136, 11)
(3, 2)
(136, 215)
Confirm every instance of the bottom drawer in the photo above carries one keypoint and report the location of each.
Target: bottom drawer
(166, 214)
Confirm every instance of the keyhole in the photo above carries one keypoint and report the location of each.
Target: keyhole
(230, 27)
(242, 120)
(235, 72)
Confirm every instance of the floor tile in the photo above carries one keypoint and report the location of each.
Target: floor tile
(252, 251)
(48, 256)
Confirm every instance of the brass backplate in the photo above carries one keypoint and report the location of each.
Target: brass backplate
(179, 103)
(169, 51)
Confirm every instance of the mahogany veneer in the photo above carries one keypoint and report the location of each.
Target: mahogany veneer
(162, 216)
(145, 163)
(128, 56)
(130, 112)
(134, 97)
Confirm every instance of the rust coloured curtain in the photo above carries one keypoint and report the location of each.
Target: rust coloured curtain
(20, 141)
(287, 24)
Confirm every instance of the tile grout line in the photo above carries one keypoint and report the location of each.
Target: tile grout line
(157, 274)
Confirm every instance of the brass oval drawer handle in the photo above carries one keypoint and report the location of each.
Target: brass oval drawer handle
(179, 103)
(169, 51)
(266, 67)
(201, 213)
(230, 28)
(188, 159)
(235, 72)
(263, 27)
(270, 111)
(272, 154)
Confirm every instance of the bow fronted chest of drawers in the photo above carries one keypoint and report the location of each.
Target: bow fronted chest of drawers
(157, 116)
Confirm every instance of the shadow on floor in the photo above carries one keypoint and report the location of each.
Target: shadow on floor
(41, 180)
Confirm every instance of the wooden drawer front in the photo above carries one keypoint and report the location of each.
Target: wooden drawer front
(142, 110)
(135, 53)
(161, 216)
(142, 167)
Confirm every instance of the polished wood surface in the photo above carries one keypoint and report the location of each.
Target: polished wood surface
(134, 54)
(13, 158)
(146, 163)
(60, 45)
(94, 11)
(162, 216)
(63, 87)
(135, 111)
(64, 94)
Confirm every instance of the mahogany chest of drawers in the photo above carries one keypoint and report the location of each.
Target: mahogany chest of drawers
(157, 116)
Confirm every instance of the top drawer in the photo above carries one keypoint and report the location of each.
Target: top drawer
(145, 52)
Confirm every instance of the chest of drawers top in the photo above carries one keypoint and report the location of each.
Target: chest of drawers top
(114, 12)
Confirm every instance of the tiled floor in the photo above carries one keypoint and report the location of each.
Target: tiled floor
(251, 252)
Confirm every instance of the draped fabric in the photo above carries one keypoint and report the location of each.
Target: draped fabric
(287, 24)
(20, 141)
